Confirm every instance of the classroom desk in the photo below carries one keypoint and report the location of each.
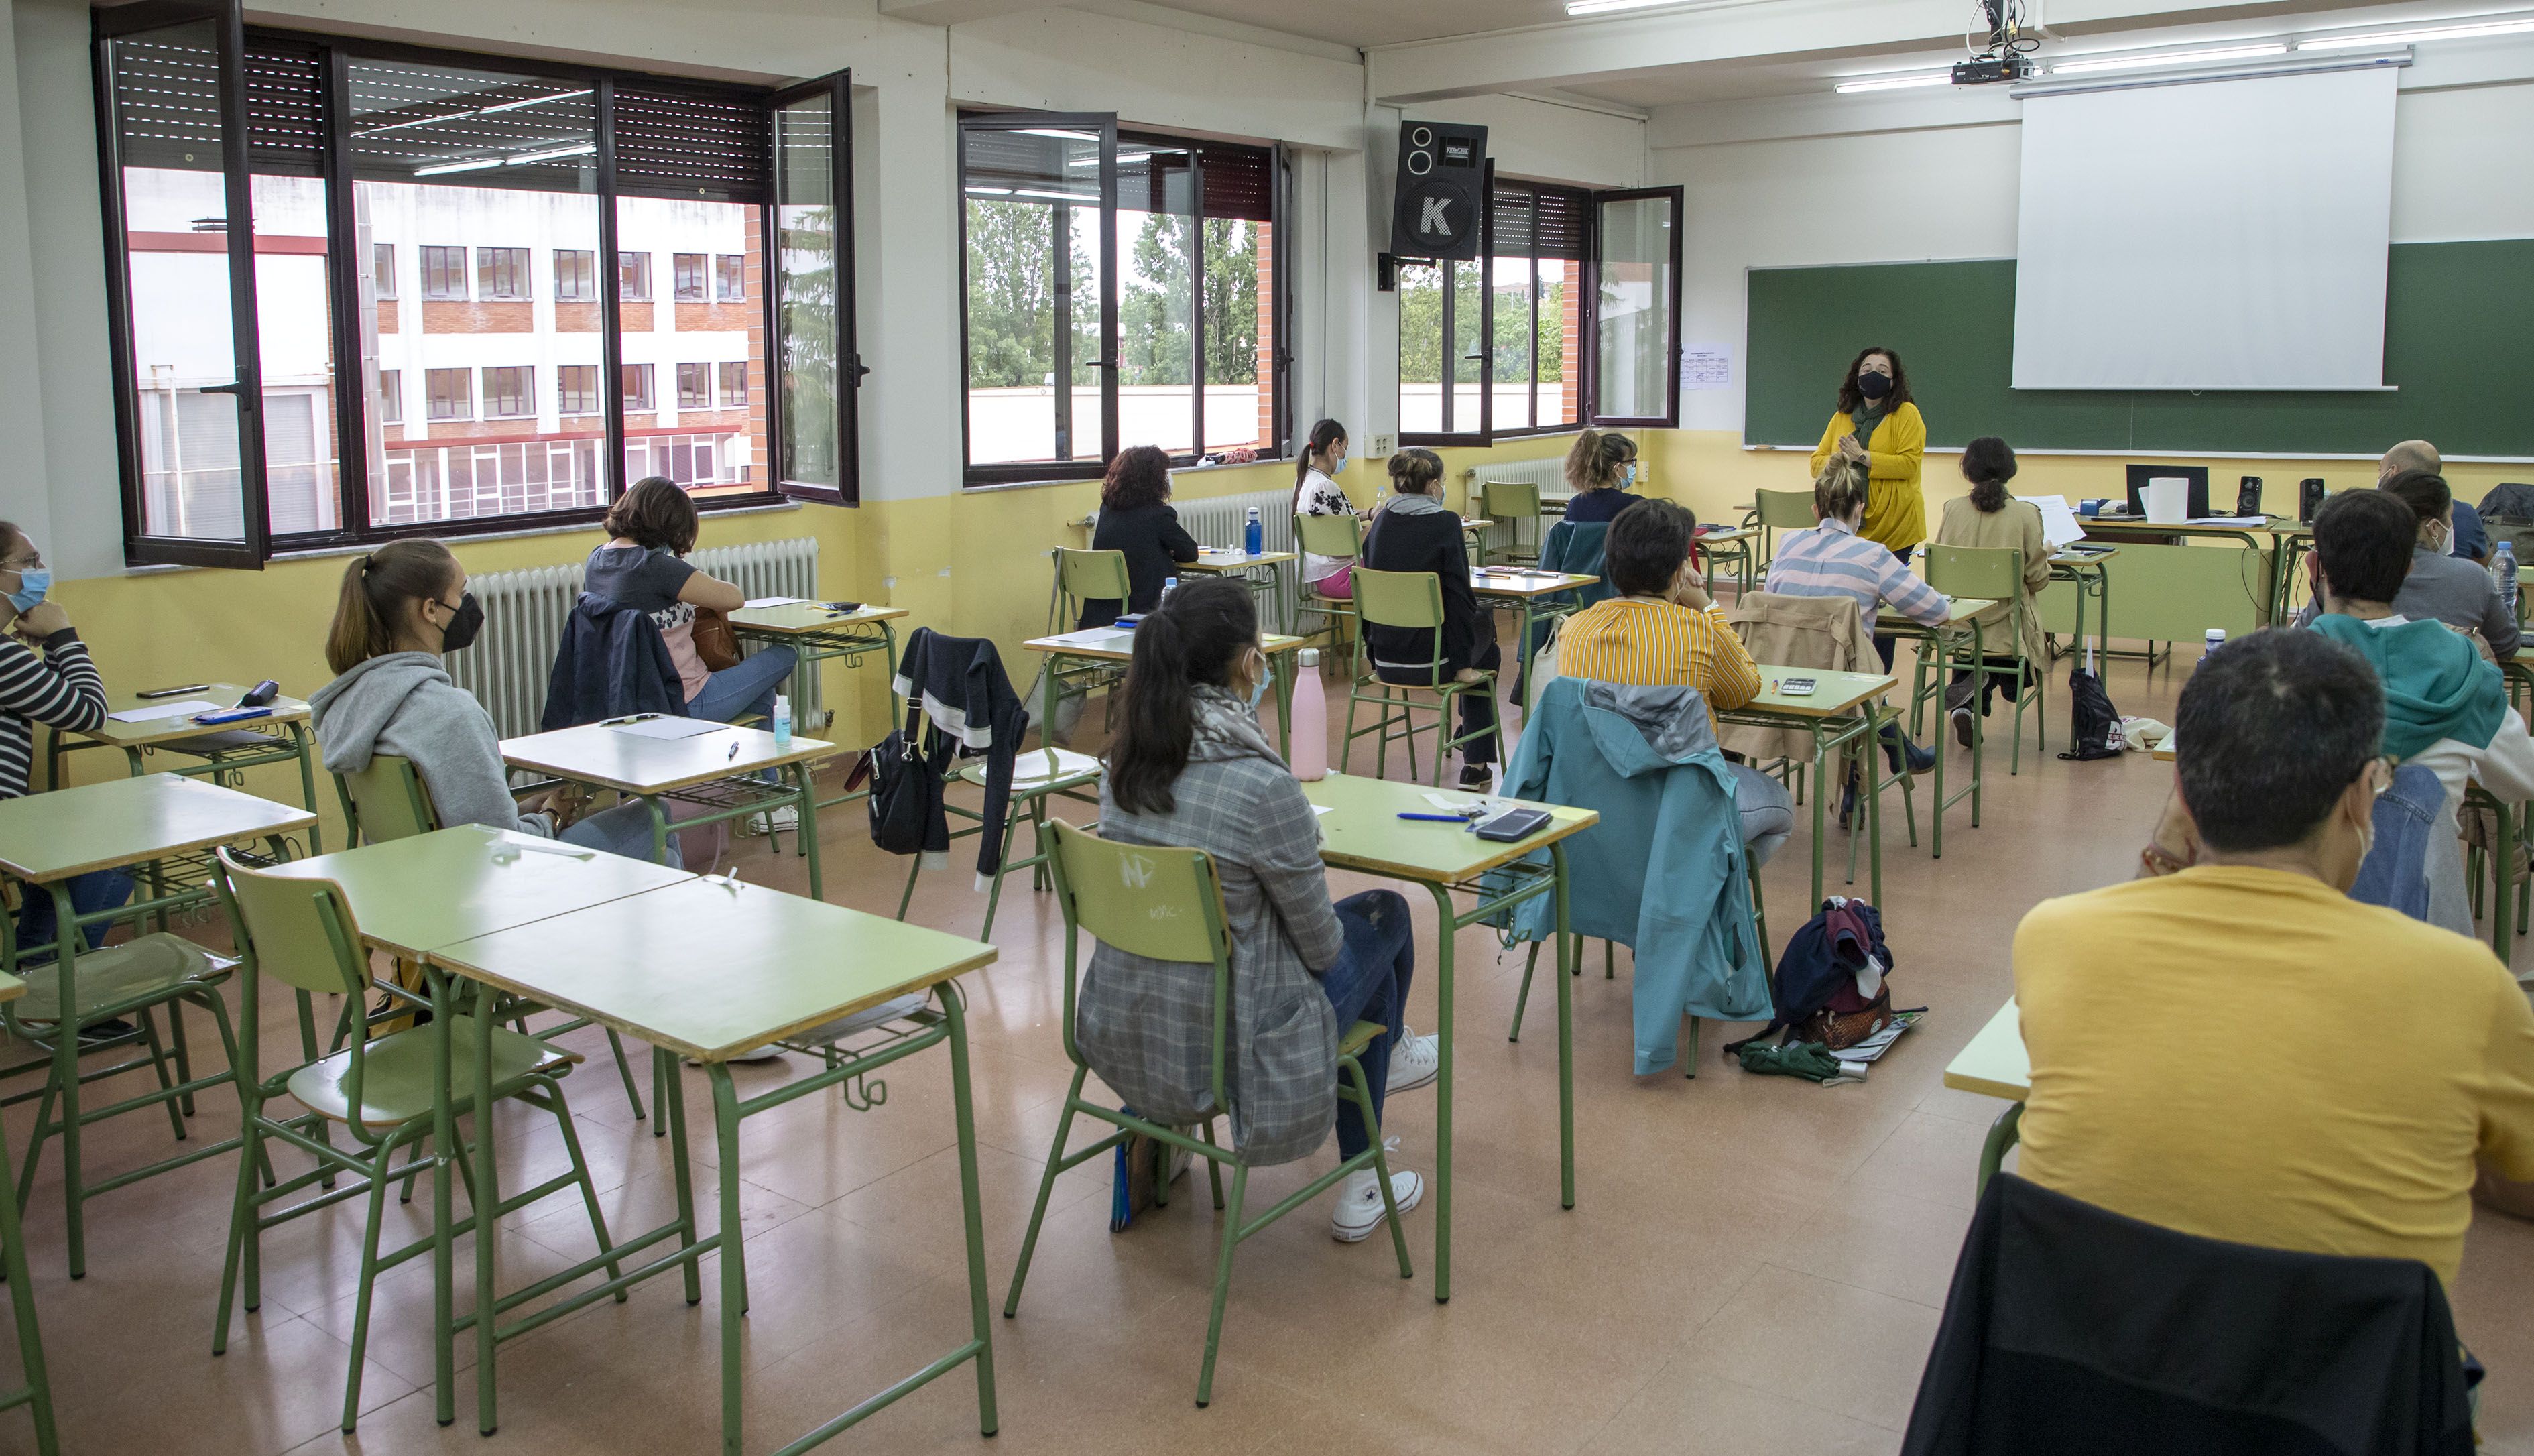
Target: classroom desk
(2088, 571)
(410, 896)
(1741, 544)
(1212, 563)
(710, 969)
(280, 736)
(2295, 539)
(1961, 613)
(1362, 831)
(2266, 542)
(1994, 1064)
(161, 823)
(37, 1392)
(1116, 646)
(713, 770)
(1523, 589)
(1844, 709)
(818, 636)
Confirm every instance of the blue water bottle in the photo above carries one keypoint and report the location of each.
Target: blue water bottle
(1253, 536)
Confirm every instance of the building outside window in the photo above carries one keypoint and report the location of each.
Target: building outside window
(444, 273)
(690, 273)
(577, 389)
(449, 394)
(501, 273)
(575, 276)
(694, 387)
(391, 397)
(633, 277)
(733, 384)
(638, 388)
(510, 391)
(730, 272)
(383, 269)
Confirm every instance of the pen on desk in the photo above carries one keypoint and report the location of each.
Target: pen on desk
(733, 753)
(1439, 819)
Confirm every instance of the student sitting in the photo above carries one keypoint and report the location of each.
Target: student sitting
(1190, 767)
(1316, 492)
(643, 566)
(1417, 532)
(2471, 538)
(1989, 517)
(403, 608)
(2242, 1051)
(1599, 469)
(1662, 630)
(2442, 585)
(45, 677)
(1833, 560)
(2444, 708)
(1135, 517)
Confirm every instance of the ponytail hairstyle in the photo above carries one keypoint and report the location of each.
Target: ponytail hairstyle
(376, 587)
(1415, 471)
(1840, 488)
(1597, 459)
(656, 514)
(1988, 463)
(1192, 640)
(1323, 434)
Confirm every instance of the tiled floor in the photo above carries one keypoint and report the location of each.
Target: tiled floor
(1752, 1263)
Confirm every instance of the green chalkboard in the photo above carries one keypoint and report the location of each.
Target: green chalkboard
(2458, 345)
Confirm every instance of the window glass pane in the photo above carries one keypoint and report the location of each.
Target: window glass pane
(734, 386)
(391, 397)
(633, 277)
(1461, 413)
(294, 317)
(383, 269)
(637, 390)
(1561, 342)
(497, 170)
(806, 319)
(1157, 246)
(1514, 342)
(1633, 309)
(575, 276)
(685, 339)
(730, 270)
(577, 389)
(1240, 335)
(1033, 277)
(1421, 348)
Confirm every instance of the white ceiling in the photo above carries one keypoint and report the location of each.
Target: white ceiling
(1366, 23)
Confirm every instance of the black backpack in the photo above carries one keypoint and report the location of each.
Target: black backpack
(906, 812)
(2098, 723)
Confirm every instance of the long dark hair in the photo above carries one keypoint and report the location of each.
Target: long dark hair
(1323, 434)
(376, 587)
(1850, 396)
(1191, 641)
(656, 514)
(1988, 463)
(1139, 476)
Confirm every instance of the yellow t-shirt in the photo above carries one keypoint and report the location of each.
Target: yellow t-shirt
(2248, 1054)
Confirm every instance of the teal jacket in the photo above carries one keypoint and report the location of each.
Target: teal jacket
(1664, 871)
(2435, 685)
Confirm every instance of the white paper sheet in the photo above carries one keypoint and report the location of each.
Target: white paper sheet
(771, 601)
(157, 710)
(1096, 636)
(2230, 521)
(670, 727)
(2058, 523)
(1706, 366)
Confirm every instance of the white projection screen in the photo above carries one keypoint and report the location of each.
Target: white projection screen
(2210, 236)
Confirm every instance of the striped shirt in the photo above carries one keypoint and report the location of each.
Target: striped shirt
(59, 687)
(1651, 642)
(1831, 560)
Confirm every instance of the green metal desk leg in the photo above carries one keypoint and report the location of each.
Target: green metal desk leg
(2000, 1137)
(1874, 800)
(1979, 730)
(659, 829)
(808, 831)
(734, 1265)
(487, 1200)
(67, 940)
(1443, 938)
(665, 1064)
(1935, 646)
(1522, 653)
(954, 1009)
(38, 1393)
(307, 787)
(2502, 893)
(1565, 1031)
(1821, 812)
(444, 1138)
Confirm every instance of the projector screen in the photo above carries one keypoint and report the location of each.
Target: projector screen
(2209, 235)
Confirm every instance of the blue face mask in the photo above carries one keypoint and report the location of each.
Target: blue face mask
(1630, 479)
(33, 584)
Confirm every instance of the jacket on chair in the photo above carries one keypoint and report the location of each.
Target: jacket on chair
(612, 661)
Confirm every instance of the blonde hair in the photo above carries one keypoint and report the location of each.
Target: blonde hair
(1597, 459)
(1840, 488)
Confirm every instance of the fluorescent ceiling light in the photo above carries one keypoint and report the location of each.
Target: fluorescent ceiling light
(2516, 25)
(1059, 136)
(1895, 82)
(2088, 65)
(523, 159)
(1125, 158)
(528, 102)
(975, 191)
(1605, 7)
(458, 166)
(1056, 197)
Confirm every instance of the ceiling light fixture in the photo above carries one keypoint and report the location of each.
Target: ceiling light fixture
(1895, 82)
(2092, 65)
(2511, 26)
(445, 167)
(585, 149)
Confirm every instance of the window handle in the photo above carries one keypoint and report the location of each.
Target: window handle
(228, 388)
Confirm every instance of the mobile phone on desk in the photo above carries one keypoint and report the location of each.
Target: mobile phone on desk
(1512, 825)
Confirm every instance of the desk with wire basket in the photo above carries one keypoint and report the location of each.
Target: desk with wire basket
(816, 633)
(281, 736)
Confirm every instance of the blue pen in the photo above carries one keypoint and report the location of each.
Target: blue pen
(1439, 819)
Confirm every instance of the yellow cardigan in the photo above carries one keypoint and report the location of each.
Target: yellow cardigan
(1895, 514)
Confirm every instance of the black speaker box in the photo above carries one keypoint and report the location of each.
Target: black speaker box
(1438, 211)
(2309, 498)
(2248, 496)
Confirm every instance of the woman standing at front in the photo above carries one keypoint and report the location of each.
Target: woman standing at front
(1878, 423)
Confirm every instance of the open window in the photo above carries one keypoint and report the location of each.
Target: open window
(816, 397)
(1635, 351)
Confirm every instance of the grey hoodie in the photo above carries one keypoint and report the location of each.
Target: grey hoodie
(404, 703)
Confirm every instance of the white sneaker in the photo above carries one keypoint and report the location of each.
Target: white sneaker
(1414, 1061)
(1359, 1209)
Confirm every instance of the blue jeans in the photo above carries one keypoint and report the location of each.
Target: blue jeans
(100, 889)
(1369, 983)
(748, 687)
(1768, 813)
(625, 830)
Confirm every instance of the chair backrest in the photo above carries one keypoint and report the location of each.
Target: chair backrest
(1992, 573)
(1334, 536)
(385, 801)
(1783, 509)
(1579, 547)
(1509, 500)
(1092, 575)
(1155, 901)
(1411, 599)
(298, 931)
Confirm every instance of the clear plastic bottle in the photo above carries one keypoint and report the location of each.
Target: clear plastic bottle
(2503, 568)
(2215, 640)
(1309, 718)
(782, 721)
(1169, 586)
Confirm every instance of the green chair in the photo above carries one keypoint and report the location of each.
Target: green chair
(1338, 537)
(1992, 574)
(1413, 600)
(387, 801)
(379, 1087)
(1512, 502)
(1167, 904)
(1037, 775)
(37, 1393)
(1775, 510)
(1084, 576)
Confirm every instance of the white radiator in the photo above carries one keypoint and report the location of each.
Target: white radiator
(524, 612)
(1548, 472)
(1220, 521)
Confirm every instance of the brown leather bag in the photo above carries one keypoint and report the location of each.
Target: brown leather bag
(716, 645)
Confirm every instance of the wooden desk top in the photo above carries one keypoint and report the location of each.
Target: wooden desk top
(1499, 581)
(1362, 830)
(1215, 563)
(167, 730)
(418, 893)
(598, 753)
(1118, 644)
(1994, 1062)
(121, 822)
(712, 969)
(794, 619)
(1833, 692)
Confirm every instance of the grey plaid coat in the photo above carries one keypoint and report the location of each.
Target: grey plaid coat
(1147, 1026)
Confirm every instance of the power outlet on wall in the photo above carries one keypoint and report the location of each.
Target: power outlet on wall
(1384, 446)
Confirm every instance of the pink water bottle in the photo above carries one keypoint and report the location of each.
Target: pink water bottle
(1311, 719)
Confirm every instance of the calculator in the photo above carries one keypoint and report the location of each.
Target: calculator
(1795, 687)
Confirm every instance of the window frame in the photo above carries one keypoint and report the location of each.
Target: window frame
(721, 274)
(1582, 197)
(721, 383)
(564, 393)
(351, 266)
(678, 278)
(431, 379)
(703, 374)
(437, 254)
(586, 290)
(519, 263)
(1588, 403)
(649, 399)
(383, 281)
(485, 396)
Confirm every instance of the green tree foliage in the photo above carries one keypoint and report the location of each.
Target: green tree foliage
(1011, 296)
(1421, 328)
(1154, 304)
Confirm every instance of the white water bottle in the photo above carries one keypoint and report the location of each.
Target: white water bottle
(782, 721)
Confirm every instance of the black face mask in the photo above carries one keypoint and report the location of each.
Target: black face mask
(464, 625)
(1874, 385)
